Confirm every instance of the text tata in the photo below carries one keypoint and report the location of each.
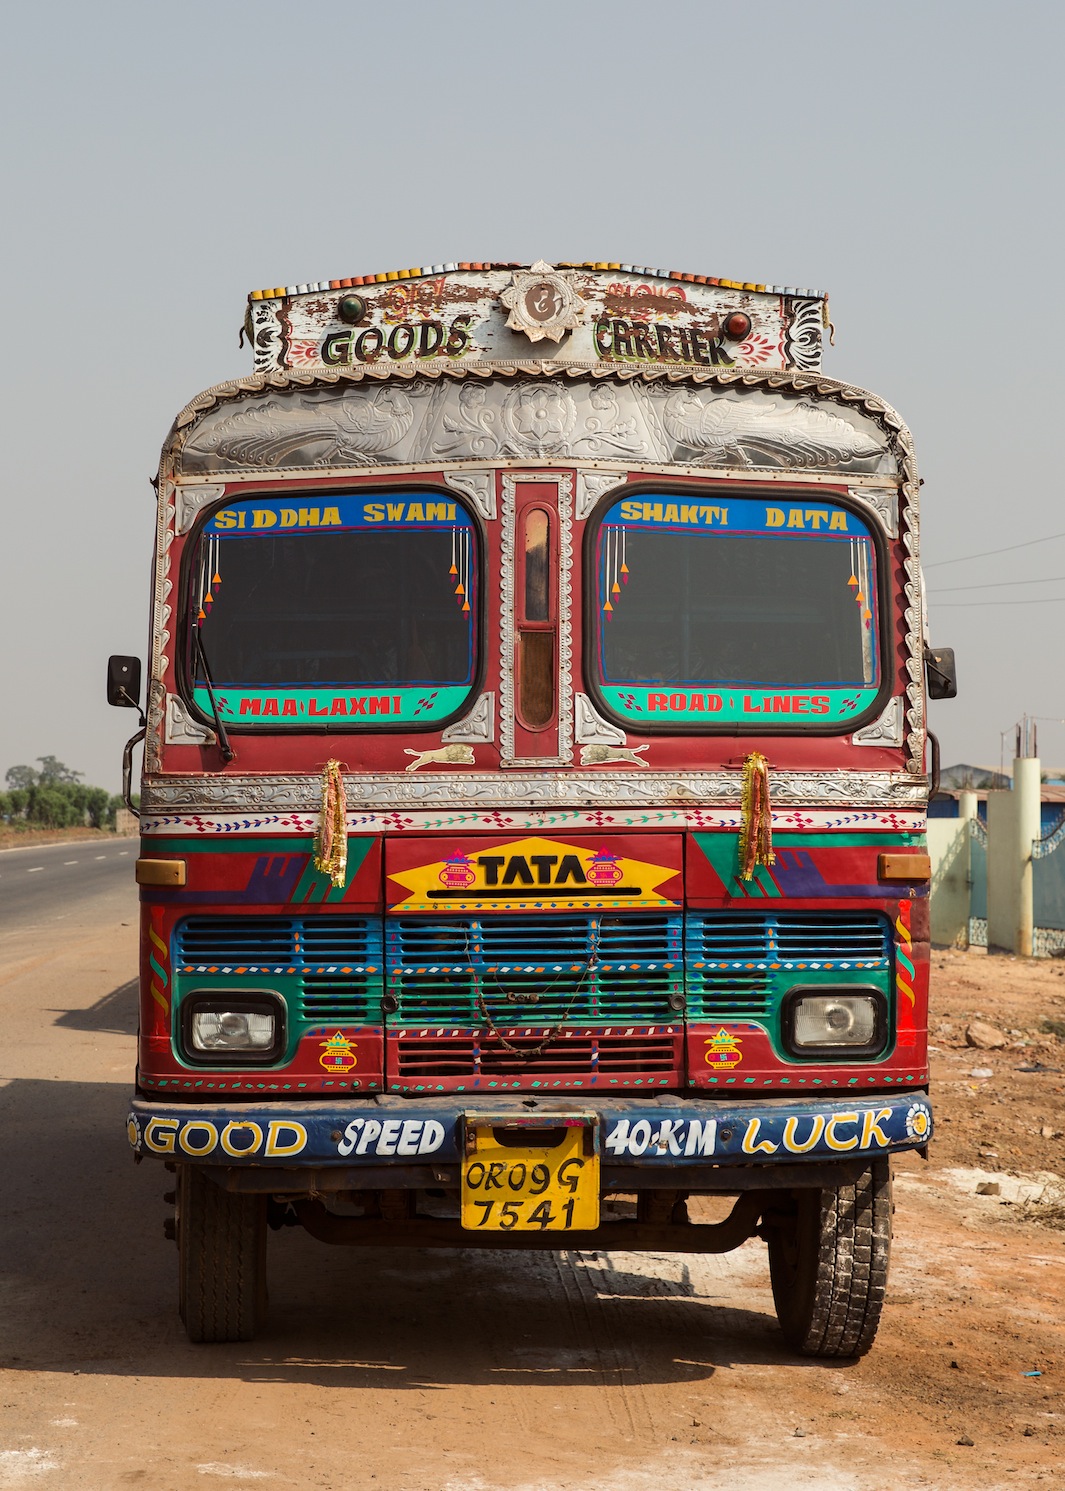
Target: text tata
(809, 519)
(518, 870)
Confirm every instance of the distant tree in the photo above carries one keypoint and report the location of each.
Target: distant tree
(97, 803)
(56, 797)
(53, 771)
(50, 807)
(17, 799)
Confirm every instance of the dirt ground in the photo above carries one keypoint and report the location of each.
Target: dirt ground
(12, 837)
(456, 1371)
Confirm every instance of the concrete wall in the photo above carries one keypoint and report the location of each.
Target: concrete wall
(949, 845)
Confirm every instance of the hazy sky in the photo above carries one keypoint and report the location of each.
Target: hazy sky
(163, 159)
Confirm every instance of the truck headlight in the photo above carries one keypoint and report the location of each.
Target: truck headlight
(835, 1022)
(219, 1028)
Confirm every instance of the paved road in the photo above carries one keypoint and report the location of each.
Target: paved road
(75, 882)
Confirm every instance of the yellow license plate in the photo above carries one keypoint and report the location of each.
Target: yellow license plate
(530, 1179)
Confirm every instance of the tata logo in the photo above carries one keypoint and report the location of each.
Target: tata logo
(503, 875)
(532, 871)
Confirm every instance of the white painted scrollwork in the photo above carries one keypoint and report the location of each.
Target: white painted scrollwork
(885, 503)
(192, 500)
(850, 791)
(181, 728)
(353, 422)
(885, 730)
(542, 302)
(478, 486)
(479, 724)
(591, 728)
(732, 430)
(802, 341)
(590, 487)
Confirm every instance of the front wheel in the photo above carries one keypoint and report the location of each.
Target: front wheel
(221, 1237)
(828, 1261)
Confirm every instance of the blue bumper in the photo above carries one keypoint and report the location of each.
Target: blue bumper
(666, 1134)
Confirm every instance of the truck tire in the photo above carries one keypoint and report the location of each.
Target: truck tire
(828, 1261)
(221, 1237)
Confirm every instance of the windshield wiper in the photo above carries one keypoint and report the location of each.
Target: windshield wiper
(224, 746)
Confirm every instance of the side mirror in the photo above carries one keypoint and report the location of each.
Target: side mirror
(124, 682)
(941, 673)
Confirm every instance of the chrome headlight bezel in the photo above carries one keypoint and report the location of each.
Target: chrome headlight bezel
(835, 1051)
(221, 1001)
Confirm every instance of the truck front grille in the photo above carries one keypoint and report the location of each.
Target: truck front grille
(332, 965)
(737, 966)
(578, 969)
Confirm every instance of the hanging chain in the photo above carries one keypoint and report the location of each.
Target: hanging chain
(527, 1055)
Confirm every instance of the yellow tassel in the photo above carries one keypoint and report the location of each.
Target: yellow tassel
(756, 835)
(331, 844)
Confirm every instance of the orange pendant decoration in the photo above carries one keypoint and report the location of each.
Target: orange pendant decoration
(331, 843)
(756, 835)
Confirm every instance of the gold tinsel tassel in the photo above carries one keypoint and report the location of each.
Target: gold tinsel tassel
(331, 844)
(756, 837)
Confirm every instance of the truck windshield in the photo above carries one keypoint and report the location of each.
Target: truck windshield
(335, 609)
(722, 610)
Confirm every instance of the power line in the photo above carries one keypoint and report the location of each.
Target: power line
(987, 553)
(1047, 600)
(998, 584)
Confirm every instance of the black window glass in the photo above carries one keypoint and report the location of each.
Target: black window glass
(734, 596)
(338, 593)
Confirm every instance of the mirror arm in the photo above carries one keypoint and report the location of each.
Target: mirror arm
(127, 770)
(134, 704)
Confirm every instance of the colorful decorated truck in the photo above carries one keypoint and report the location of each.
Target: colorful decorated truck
(534, 786)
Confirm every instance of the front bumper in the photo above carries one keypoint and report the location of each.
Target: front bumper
(667, 1134)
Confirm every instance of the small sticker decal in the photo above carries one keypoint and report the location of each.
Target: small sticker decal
(338, 1054)
(604, 870)
(458, 872)
(918, 1121)
(723, 1050)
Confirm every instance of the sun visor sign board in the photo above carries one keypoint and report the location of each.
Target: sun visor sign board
(446, 875)
(581, 315)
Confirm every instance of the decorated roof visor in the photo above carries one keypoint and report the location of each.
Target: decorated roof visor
(574, 313)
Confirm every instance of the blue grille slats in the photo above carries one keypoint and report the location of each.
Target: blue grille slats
(216, 939)
(527, 939)
(444, 971)
(535, 966)
(738, 966)
(337, 961)
(786, 936)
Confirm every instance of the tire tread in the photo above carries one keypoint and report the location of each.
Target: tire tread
(832, 1305)
(221, 1259)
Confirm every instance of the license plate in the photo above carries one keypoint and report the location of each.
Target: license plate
(530, 1179)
